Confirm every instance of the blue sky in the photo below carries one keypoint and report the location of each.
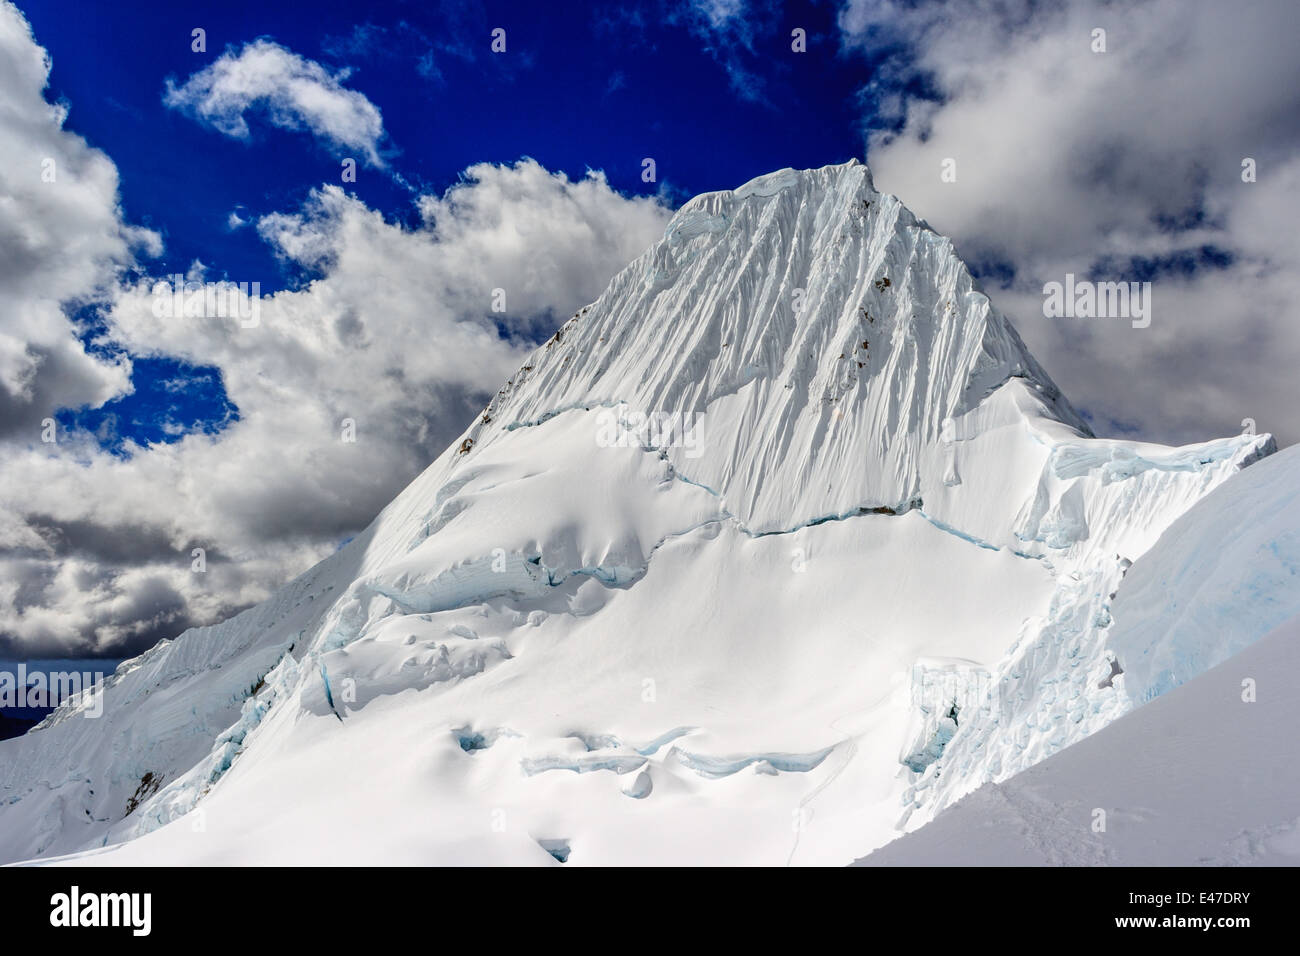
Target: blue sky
(1119, 164)
(601, 88)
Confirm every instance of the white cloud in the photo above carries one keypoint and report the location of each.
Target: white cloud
(395, 333)
(392, 327)
(720, 14)
(727, 30)
(62, 242)
(1069, 159)
(289, 90)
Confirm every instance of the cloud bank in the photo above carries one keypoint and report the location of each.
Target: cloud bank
(391, 327)
(1120, 165)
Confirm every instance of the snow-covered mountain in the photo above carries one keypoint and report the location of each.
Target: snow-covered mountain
(778, 547)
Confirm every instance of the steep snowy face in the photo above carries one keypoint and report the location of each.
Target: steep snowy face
(1223, 574)
(1206, 627)
(813, 337)
(787, 520)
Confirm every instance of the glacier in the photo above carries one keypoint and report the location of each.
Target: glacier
(878, 578)
(1194, 771)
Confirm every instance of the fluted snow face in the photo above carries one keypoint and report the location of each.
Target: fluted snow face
(822, 331)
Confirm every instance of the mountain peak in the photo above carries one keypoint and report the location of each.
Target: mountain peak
(823, 332)
(579, 614)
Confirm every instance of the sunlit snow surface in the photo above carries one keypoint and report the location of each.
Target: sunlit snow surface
(1200, 775)
(554, 650)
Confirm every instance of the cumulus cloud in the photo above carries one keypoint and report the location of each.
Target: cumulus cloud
(396, 333)
(391, 326)
(1116, 165)
(286, 89)
(62, 242)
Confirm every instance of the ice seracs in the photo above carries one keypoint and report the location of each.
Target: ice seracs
(876, 577)
(1194, 772)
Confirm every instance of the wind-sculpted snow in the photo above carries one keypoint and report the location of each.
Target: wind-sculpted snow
(825, 331)
(878, 574)
(1098, 505)
(1124, 493)
(715, 767)
(1226, 573)
(1198, 778)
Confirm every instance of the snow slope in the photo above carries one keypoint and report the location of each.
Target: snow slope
(1199, 776)
(875, 535)
(1224, 574)
(1193, 779)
